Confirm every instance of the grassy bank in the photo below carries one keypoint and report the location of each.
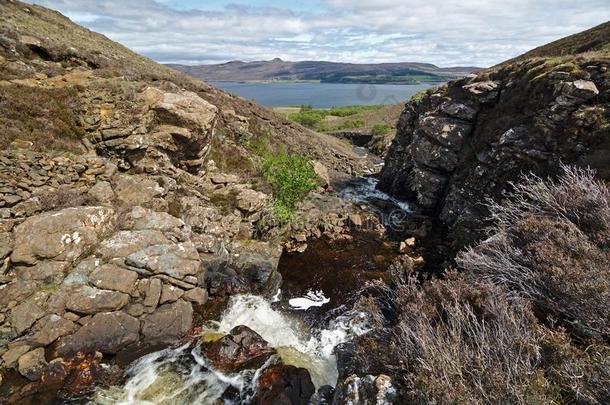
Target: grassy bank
(328, 119)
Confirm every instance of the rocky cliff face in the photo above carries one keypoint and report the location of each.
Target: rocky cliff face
(466, 141)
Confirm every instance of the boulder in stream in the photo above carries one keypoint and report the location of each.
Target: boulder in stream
(285, 385)
(241, 349)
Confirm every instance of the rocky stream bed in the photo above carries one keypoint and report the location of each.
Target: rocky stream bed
(254, 345)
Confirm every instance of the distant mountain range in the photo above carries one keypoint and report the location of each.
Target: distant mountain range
(329, 72)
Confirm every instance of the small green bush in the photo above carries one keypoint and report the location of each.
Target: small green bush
(292, 177)
(352, 124)
(417, 97)
(310, 119)
(381, 129)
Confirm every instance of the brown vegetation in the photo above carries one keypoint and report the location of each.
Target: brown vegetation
(527, 319)
(550, 245)
(46, 117)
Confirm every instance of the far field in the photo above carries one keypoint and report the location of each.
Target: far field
(377, 120)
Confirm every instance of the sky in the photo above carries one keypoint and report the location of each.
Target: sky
(445, 33)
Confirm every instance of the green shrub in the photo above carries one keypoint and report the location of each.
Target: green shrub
(292, 177)
(310, 119)
(352, 124)
(419, 96)
(380, 130)
(346, 111)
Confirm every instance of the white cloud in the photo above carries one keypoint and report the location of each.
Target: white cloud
(467, 32)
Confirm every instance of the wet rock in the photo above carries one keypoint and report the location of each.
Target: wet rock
(61, 236)
(241, 349)
(168, 323)
(33, 364)
(111, 277)
(107, 332)
(367, 390)
(324, 396)
(90, 300)
(286, 385)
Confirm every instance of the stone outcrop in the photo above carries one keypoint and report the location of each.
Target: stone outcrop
(465, 141)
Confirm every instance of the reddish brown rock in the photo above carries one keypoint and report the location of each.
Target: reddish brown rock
(241, 349)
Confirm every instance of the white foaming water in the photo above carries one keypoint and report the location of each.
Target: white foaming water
(365, 189)
(310, 300)
(184, 376)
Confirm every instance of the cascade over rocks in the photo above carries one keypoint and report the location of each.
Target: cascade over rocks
(465, 141)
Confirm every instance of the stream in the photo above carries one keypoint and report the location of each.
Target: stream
(304, 321)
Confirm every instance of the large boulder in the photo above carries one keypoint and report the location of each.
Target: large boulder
(241, 349)
(111, 277)
(61, 236)
(107, 332)
(186, 126)
(91, 300)
(168, 323)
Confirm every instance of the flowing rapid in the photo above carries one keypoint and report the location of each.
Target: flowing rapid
(183, 375)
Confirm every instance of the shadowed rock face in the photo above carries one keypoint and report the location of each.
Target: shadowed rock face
(282, 384)
(465, 141)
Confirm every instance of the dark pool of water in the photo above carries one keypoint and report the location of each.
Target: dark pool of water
(338, 268)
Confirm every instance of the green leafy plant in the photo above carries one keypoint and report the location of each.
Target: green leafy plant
(292, 177)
